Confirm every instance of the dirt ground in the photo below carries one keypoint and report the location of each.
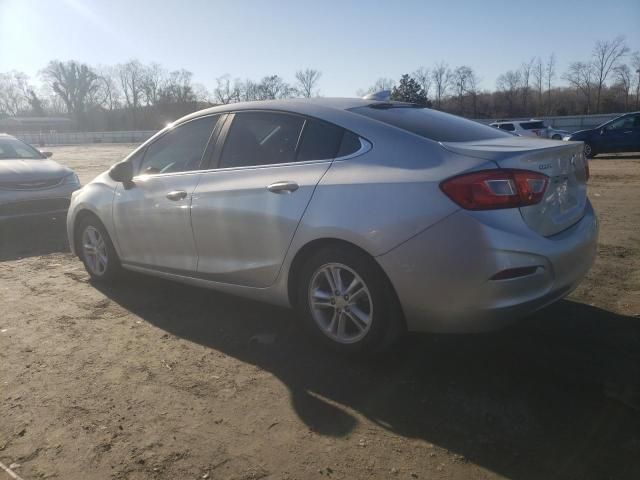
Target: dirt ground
(150, 379)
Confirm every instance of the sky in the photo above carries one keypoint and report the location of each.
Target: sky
(351, 42)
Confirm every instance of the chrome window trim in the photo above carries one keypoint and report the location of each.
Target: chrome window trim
(365, 146)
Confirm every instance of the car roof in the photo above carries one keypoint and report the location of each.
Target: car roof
(314, 107)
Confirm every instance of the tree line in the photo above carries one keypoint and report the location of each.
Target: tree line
(134, 95)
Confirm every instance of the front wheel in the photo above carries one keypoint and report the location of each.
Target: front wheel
(588, 151)
(96, 250)
(347, 302)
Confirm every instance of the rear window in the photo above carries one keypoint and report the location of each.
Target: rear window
(431, 124)
(533, 125)
(507, 126)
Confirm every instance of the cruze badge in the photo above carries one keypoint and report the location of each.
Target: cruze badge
(545, 166)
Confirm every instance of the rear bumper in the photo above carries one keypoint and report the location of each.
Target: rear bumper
(442, 276)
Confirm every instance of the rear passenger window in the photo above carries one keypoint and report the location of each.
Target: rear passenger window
(320, 141)
(507, 126)
(350, 144)
(261, 138)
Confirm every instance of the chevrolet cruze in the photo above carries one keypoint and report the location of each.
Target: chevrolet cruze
(369, 217)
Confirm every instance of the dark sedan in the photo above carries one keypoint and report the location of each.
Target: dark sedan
(622, 134)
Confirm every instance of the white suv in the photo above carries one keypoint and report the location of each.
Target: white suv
(524, 128)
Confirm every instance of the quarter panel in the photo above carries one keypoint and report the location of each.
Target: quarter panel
(383, 198)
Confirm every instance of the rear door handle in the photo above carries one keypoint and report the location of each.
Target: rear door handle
(177, 195)
(283, 187)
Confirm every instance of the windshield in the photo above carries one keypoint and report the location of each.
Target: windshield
(11, 148)
(431, 124)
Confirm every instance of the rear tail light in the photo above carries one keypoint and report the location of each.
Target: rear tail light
(493, 189)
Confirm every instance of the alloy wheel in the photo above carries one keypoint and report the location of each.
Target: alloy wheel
(340, 303)
(94, 250)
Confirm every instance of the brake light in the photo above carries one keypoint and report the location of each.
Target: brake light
(493, 189)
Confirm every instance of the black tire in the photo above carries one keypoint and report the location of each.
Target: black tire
(386, 322)
(589, 152)
(113, 266)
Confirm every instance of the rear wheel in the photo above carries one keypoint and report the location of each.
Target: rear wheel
(96, 250)
(347, 301)
(588, 151)
(556, 137)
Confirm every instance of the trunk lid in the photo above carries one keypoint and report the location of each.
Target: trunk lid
(563, 162)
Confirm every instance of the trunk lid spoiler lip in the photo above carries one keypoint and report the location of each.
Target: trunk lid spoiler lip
(501, 149)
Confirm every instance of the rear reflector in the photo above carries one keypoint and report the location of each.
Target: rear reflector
(514, 273)
(493, 189)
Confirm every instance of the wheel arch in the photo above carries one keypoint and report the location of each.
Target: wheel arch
(79, 216)
(313, 246)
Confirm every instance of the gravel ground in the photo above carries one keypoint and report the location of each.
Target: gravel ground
(150, 379)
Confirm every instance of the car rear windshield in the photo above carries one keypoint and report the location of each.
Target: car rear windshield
(10, 148)
(431, 124)
(532, 125)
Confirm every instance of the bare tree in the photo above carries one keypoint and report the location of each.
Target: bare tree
(525, 72)
(75, 83)
(441, 75)
(606, 56)
(550, 74)
(272, 87)
(14, 94)
(109, 88)
(226, 91)
(249, 91)
(623, 77)
(131, 76)
(581, 76)
(635, 65)
(153, 81)
(509, 84)
(462, 79)
(423, 76)
(178, 88)
(538, 81)
(307, 81)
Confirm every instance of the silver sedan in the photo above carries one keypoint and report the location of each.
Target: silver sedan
(30, 183)
(371, 218)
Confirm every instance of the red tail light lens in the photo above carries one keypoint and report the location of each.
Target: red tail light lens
(493, 189)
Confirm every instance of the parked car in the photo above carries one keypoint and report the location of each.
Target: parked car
(555, 134)
(524, 128)
(31, 183)
(369, 217)
(622, 134)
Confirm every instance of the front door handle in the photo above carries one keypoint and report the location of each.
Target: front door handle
(283, 187)
(177, 195)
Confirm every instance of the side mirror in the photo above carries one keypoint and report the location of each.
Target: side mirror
(47, 154)
(122, 172)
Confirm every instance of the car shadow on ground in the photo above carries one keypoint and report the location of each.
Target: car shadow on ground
(554, 397)
(22, 238)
